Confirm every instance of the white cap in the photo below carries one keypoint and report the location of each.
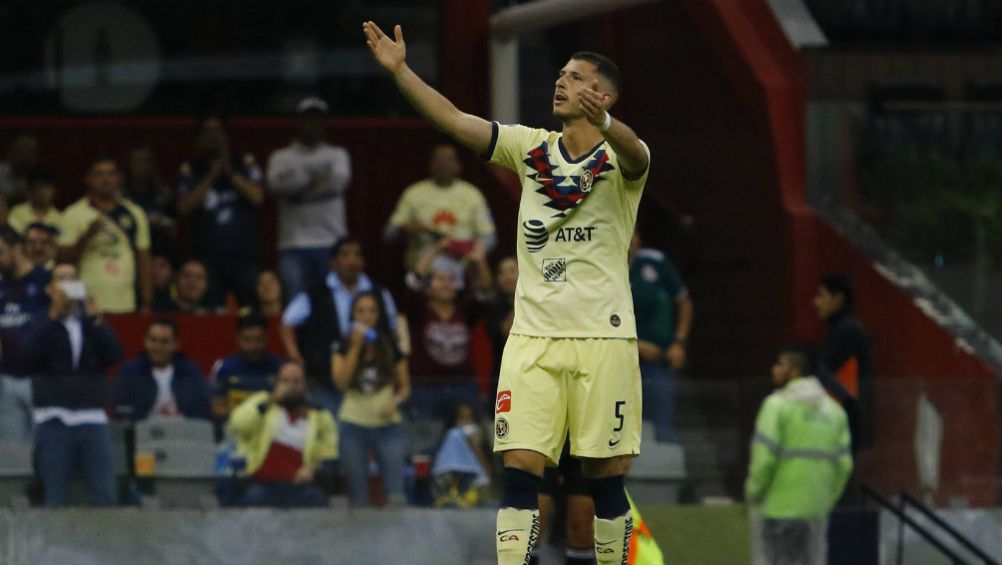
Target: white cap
(312, 104)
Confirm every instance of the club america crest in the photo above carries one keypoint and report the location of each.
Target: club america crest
(587, 178)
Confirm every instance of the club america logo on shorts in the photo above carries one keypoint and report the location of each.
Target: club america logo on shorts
(536, 235)
(501, 428)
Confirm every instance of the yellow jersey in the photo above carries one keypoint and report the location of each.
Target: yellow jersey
(108, 263)
(575, 221)
(23, 215)
(459, 211)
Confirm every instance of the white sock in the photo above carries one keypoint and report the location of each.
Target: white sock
(517, 533)
(612, 540)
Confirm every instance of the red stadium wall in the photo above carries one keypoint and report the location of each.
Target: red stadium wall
(719, 94)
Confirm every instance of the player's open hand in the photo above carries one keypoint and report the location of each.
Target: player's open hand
(388, 52)
(593, 106)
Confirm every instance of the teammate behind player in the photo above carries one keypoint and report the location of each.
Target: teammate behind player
(571, 363)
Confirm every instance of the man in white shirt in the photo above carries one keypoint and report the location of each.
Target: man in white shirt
(69, 353)
(162, 382)
(309, 179)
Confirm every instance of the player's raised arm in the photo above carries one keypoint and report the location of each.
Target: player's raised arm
(472, 131)
(633, 158)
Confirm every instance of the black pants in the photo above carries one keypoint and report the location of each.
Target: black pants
(786, 542)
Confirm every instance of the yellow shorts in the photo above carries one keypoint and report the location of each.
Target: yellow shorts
(589, 387)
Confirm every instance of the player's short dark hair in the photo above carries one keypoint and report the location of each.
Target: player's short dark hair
(604, 65)
(40, 176)
(166, 322)
(102, 158)
(840, 283)
(341, 243)
(9, 236)
(50, 230)
(252, 319)
(803, 357)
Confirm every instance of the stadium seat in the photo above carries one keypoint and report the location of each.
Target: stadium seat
(184, 456)
(423, 437)
(15, 472)
(156, 430)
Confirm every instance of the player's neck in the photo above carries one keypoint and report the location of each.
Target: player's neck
(579, 136)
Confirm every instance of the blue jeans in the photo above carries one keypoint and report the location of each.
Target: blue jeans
(61, 449)
(387, 443)
(438, 402)
(284, 495)
(15, 410)
(659, 399)
(300, 267)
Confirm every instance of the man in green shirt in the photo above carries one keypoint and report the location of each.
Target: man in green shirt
(664, 313)
(800, 462)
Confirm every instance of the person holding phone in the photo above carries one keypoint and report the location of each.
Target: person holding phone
(69, 353)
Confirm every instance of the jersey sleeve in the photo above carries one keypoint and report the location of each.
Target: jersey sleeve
(404, 212)
(71, 227)
(509, 145)
(142, 228)
(672, 280)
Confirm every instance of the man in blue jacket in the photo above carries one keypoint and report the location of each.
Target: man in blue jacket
(68, 354)
(162, 382)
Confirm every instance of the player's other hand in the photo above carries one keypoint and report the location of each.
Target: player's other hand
(593, 105)
(649, 352)
(389, 53)
(675, 356)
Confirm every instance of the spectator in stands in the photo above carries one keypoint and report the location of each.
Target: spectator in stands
(22, 158)
(144, 186)
(68, 355)
(317, 320)
(222, 192)
(190, 290)
(162, 273)
(40, 245)
(40, 206)
(845, 362)
(309, 179)
(372, 373)
(800, 462)
(442, 206)
(441, 322)
(269, 294)
(664, 313)
(22, 300)
(500, 315)
(250, 370)
(109, 237)
(162, 382)
(462, 467)
(286, 443)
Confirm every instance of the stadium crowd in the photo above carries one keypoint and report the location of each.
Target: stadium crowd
(370, 375)
(357, 361)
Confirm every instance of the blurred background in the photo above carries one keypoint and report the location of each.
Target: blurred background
(790, 139)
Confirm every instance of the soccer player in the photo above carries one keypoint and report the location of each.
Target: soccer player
(571, 363)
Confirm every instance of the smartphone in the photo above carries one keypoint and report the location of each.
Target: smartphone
(75, 290)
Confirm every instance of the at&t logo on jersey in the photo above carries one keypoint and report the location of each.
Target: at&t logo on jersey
(536, 235)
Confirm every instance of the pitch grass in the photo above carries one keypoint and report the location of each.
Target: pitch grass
(700, 535)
